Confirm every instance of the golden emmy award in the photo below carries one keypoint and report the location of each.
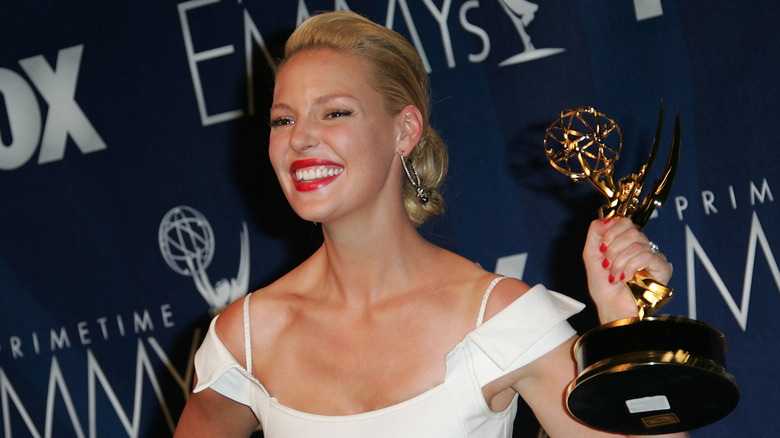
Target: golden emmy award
(646, 375)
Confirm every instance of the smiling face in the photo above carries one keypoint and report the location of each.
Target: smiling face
(332, 143)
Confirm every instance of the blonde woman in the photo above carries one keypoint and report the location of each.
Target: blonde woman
(381, 333)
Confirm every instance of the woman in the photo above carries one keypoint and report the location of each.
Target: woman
(381, 333)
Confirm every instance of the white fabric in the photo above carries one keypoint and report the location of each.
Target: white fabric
(525, 330)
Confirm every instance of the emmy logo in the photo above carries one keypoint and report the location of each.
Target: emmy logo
(522, 13)
(187, 245)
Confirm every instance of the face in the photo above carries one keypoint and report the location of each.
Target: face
(332, 143)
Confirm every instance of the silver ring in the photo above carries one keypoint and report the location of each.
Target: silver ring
(653, 247)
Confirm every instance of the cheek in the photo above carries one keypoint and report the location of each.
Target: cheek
(275, 148)
(276, 154)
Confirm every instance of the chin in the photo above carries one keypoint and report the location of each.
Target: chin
(308, 214)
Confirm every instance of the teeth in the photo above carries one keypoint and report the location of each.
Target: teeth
(305, 175)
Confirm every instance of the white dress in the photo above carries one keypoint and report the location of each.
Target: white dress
(531, 326)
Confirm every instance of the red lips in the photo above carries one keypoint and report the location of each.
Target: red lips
(312, 173)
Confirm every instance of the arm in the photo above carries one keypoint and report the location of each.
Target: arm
(210, 414)
(207, 412)
(543, 383)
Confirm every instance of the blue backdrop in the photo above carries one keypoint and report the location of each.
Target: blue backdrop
(136, 197)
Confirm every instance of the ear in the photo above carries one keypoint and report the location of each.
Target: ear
(410, 128)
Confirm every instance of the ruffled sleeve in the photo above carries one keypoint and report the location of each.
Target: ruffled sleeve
(531, 326)
(219, 370)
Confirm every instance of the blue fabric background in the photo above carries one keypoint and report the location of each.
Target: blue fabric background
(97, 330)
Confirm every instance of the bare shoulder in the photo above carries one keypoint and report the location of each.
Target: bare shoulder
(266, 315)
(229, 328)
(475, 280)
(503, 294)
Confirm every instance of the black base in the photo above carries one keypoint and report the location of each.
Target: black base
(654, 376)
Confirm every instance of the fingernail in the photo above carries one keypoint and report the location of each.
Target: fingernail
(608, 220)
(622, 277)
(603, 247)
(611, 278)
(605, 263)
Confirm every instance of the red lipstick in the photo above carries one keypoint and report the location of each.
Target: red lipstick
(313, 173)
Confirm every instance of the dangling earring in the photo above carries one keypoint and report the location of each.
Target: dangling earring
(416, 184)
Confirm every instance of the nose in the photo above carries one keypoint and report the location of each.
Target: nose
(303, 136)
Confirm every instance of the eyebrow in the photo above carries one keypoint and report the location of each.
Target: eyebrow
(328, 97)
(318, 101)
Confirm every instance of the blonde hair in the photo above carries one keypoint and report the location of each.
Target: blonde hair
(399, 75)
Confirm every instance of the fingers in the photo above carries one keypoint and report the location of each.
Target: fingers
(595, 241)
(636, 258)
(625, 250)
(612, 298)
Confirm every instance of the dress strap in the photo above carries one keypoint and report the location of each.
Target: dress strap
(485, 299)
(247, 339)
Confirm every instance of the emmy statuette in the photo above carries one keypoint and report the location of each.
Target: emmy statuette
(646, 375)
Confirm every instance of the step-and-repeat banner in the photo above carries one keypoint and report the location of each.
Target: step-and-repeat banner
(136, 197)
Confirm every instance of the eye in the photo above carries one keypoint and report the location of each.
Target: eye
(338, 113)
(281, 121)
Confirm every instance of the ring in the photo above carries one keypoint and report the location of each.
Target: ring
(653, 247)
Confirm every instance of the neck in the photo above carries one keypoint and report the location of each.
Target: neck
(373, 260)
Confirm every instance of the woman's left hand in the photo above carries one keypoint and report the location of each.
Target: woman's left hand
(615, 250)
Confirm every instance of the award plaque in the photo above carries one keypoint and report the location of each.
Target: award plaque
(646, 375)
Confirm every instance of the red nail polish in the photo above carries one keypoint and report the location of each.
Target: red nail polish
(605, 263)
(608, 220)
(622, 277)
(611, 278)
(603, 247)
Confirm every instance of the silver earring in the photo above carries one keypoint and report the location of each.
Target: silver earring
(416, 183)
